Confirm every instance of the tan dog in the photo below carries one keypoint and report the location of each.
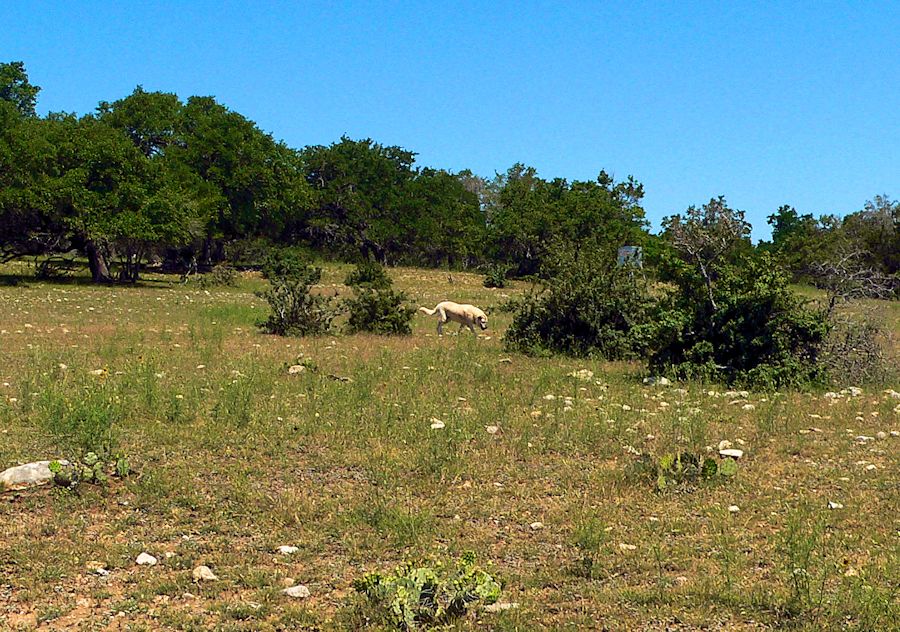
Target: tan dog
(465, 315)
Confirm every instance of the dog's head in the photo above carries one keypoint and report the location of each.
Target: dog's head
(482, 321)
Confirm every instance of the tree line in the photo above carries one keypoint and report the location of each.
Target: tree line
(150, 177)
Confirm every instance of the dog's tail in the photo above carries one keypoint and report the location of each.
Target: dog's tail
(426, 311)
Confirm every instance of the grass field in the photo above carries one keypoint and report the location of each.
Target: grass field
(233, 457)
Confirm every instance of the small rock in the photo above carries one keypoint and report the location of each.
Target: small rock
(286, 549)
(536, 526)
(748, 407)
(627, 547)
(733, 509)
(732, 453)
(871, 467)
(295, 369)
(28, 475)
(892, 394)
(145, 559)
(895, 433)
(724, 444)
(500, 606)
(97, 568)
(203, 573)
(436, 424)
(834, 505)
(681, 580)
(492, 429)
(297, 592)
(881, 435)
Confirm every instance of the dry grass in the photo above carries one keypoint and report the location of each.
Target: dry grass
(239, 457)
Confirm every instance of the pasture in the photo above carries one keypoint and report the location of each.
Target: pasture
(536, 469)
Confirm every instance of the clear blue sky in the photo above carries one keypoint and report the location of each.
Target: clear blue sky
(764, 102)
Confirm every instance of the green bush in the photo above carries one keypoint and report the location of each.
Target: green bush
(495, 276)
(221, 275)
(285, 263)
(295, 310)
(378, 311)
(757, 331)
(418, 595)
(368, 274)
(589, 306)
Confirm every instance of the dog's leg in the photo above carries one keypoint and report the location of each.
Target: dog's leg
(442, 318)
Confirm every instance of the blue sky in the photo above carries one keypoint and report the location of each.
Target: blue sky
(766, 103)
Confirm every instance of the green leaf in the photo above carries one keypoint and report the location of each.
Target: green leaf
(728, 467)
(123, 469)
(710, 468)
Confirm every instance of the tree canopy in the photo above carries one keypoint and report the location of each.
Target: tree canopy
(150, 175)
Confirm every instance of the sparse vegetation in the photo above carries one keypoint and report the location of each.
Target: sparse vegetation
(345, 459)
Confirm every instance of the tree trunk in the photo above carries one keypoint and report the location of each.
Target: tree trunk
(97, 263)
(206, 252)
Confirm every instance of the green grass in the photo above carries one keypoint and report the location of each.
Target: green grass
(233, 457)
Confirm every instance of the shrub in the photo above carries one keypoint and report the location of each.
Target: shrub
(368, 274)
(378, 311)
(295, 310)
(415, 595)
(285, 263)
(221, 275)
(588, 306)
(495, 276)
(753, 329)
(853, 352)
